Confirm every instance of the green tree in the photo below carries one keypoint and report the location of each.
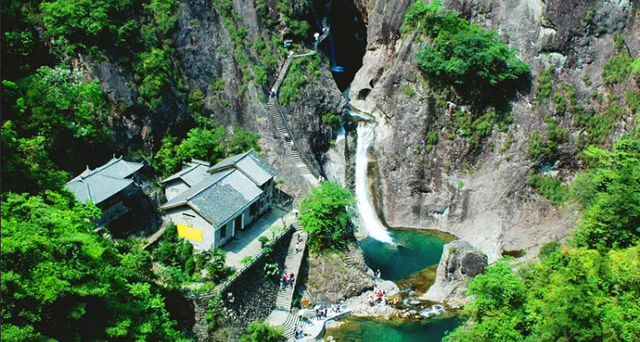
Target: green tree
(324, 216)
(51, 119)
(206, 142)
(216, 268)
(572, 295)
(612, 191)
(482, 70)
(262, 332)
(61, 281)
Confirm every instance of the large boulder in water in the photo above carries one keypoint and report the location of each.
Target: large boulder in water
(334, 277)
(459, 263)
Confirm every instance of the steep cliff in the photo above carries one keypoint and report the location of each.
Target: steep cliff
(481, 194)
(221, 50)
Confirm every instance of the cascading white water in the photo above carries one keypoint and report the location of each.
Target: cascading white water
(368, 217)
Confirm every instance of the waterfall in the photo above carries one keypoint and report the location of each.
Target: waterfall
(368, 217)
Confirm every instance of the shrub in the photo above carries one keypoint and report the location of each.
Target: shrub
(262, 332)
(544, 86)
(618, 41)
(246, 260)
(617, 69)
(408, 90)
(263, 241)
(537, 147)
(548, 248)
(481, 69)
(550, 188)
(633, 100)
(190, 267)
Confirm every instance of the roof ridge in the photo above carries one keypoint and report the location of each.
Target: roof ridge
(208, 186)
(116, 178)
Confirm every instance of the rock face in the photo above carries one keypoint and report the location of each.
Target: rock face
(334, 277)
(459, 263)
(482, 195)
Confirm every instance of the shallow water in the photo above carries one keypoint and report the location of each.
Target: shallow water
(372, 330)
(417, 250)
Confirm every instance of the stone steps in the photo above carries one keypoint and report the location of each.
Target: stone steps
(291, 265)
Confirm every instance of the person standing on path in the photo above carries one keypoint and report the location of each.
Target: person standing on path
(297, 246)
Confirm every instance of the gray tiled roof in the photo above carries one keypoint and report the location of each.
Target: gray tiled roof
(219, 196)
(191, 175)
(254, 167)
(105, 181)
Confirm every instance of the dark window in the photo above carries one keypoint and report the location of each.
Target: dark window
(223, 232)
(253, 209)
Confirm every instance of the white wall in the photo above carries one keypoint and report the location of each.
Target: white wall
(176, 215)
(174, 188)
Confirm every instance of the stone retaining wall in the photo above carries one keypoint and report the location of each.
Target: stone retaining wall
(254, 295)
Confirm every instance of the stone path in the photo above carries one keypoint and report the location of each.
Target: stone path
(245, 243)
(281, 316)
(283, 130)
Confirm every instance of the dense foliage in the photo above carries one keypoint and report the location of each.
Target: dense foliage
(61, 281)
(573, 295)
(585, 293)
(474, 62)
(48, 118)
(207, 142)
(324, 217)
(262, 332)
(610, 193)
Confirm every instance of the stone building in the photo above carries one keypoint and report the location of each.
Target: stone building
(210, 205)
(108, 186)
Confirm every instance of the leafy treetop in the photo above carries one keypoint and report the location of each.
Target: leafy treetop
(324, 216)
(61, 281)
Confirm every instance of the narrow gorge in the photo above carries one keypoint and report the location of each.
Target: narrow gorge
(469, 166)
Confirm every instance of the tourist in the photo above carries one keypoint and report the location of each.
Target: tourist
(333, 308)
(338, 308)
(292, 144)
(285, 280)
(395, 301)
(291, 280)
(318, 314)
(378, 275)
(297, 246)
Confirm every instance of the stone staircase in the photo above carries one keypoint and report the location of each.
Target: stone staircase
(292, 265)
(277, 117)
(281, 316)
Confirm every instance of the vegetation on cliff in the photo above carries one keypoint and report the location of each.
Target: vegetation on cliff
(468, 65)
(63, 282)
(586, 291)
(324, 216)
(482, 70)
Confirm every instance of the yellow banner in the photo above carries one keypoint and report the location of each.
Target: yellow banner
(189, 232)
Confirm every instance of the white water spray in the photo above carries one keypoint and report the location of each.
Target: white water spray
(368, 217)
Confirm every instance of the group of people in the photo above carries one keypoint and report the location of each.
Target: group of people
(321, 313)
(297, 332)
(287, 279)
(378, 296)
